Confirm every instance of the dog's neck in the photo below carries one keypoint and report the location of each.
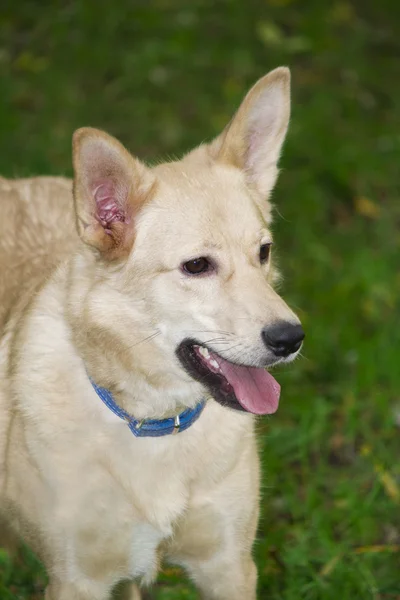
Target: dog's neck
(141, 396)
(135, 394)
(151, 427)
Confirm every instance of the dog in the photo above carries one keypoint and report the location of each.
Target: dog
(138, 319)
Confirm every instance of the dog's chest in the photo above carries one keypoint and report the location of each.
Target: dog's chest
(151, 497)
(128, 523)
(149, 485)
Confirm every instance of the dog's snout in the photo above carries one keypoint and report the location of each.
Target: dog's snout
(283, 338)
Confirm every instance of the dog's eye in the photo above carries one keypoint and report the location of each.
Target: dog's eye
(265, 250)
(197, 266)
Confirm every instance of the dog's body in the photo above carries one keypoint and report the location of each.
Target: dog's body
(98, 504)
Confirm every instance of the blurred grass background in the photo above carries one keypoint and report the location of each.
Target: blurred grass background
(163, 76)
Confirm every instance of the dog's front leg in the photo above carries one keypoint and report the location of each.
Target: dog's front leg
(128, 591)
(226, 577)
(57, 590)
(62, 590)
(214, 542)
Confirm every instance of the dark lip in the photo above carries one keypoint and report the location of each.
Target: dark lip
(215, 384)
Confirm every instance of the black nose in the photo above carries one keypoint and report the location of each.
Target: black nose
(283, 338)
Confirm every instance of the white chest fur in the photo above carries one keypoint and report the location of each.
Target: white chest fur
(143, 554)
(129, 494)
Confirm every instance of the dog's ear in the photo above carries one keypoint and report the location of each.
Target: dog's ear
(110, 186)
(253, 139)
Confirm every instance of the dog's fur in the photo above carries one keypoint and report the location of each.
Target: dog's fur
(97, 504)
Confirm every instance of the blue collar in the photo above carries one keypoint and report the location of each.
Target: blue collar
(151, 427)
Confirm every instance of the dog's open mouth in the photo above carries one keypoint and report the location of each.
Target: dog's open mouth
(244, 388)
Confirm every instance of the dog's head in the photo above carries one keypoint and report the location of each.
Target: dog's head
(181, 255)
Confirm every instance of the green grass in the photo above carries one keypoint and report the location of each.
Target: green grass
(162, 76)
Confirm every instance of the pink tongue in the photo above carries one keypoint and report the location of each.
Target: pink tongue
(255, 389)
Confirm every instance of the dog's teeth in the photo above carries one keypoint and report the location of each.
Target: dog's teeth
(214, 363)
(204, 352)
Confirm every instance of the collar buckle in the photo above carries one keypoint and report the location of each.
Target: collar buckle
(177, 425)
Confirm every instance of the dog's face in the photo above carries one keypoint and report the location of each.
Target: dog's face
(189, 242)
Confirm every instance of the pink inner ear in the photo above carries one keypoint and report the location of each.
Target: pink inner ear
(109, 206)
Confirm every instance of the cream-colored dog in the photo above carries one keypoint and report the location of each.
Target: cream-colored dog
(159, 318)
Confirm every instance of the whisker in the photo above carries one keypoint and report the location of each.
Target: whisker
(215, 331)
(303, 356)
(146, 339)
(216, 341)
(233, 351)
